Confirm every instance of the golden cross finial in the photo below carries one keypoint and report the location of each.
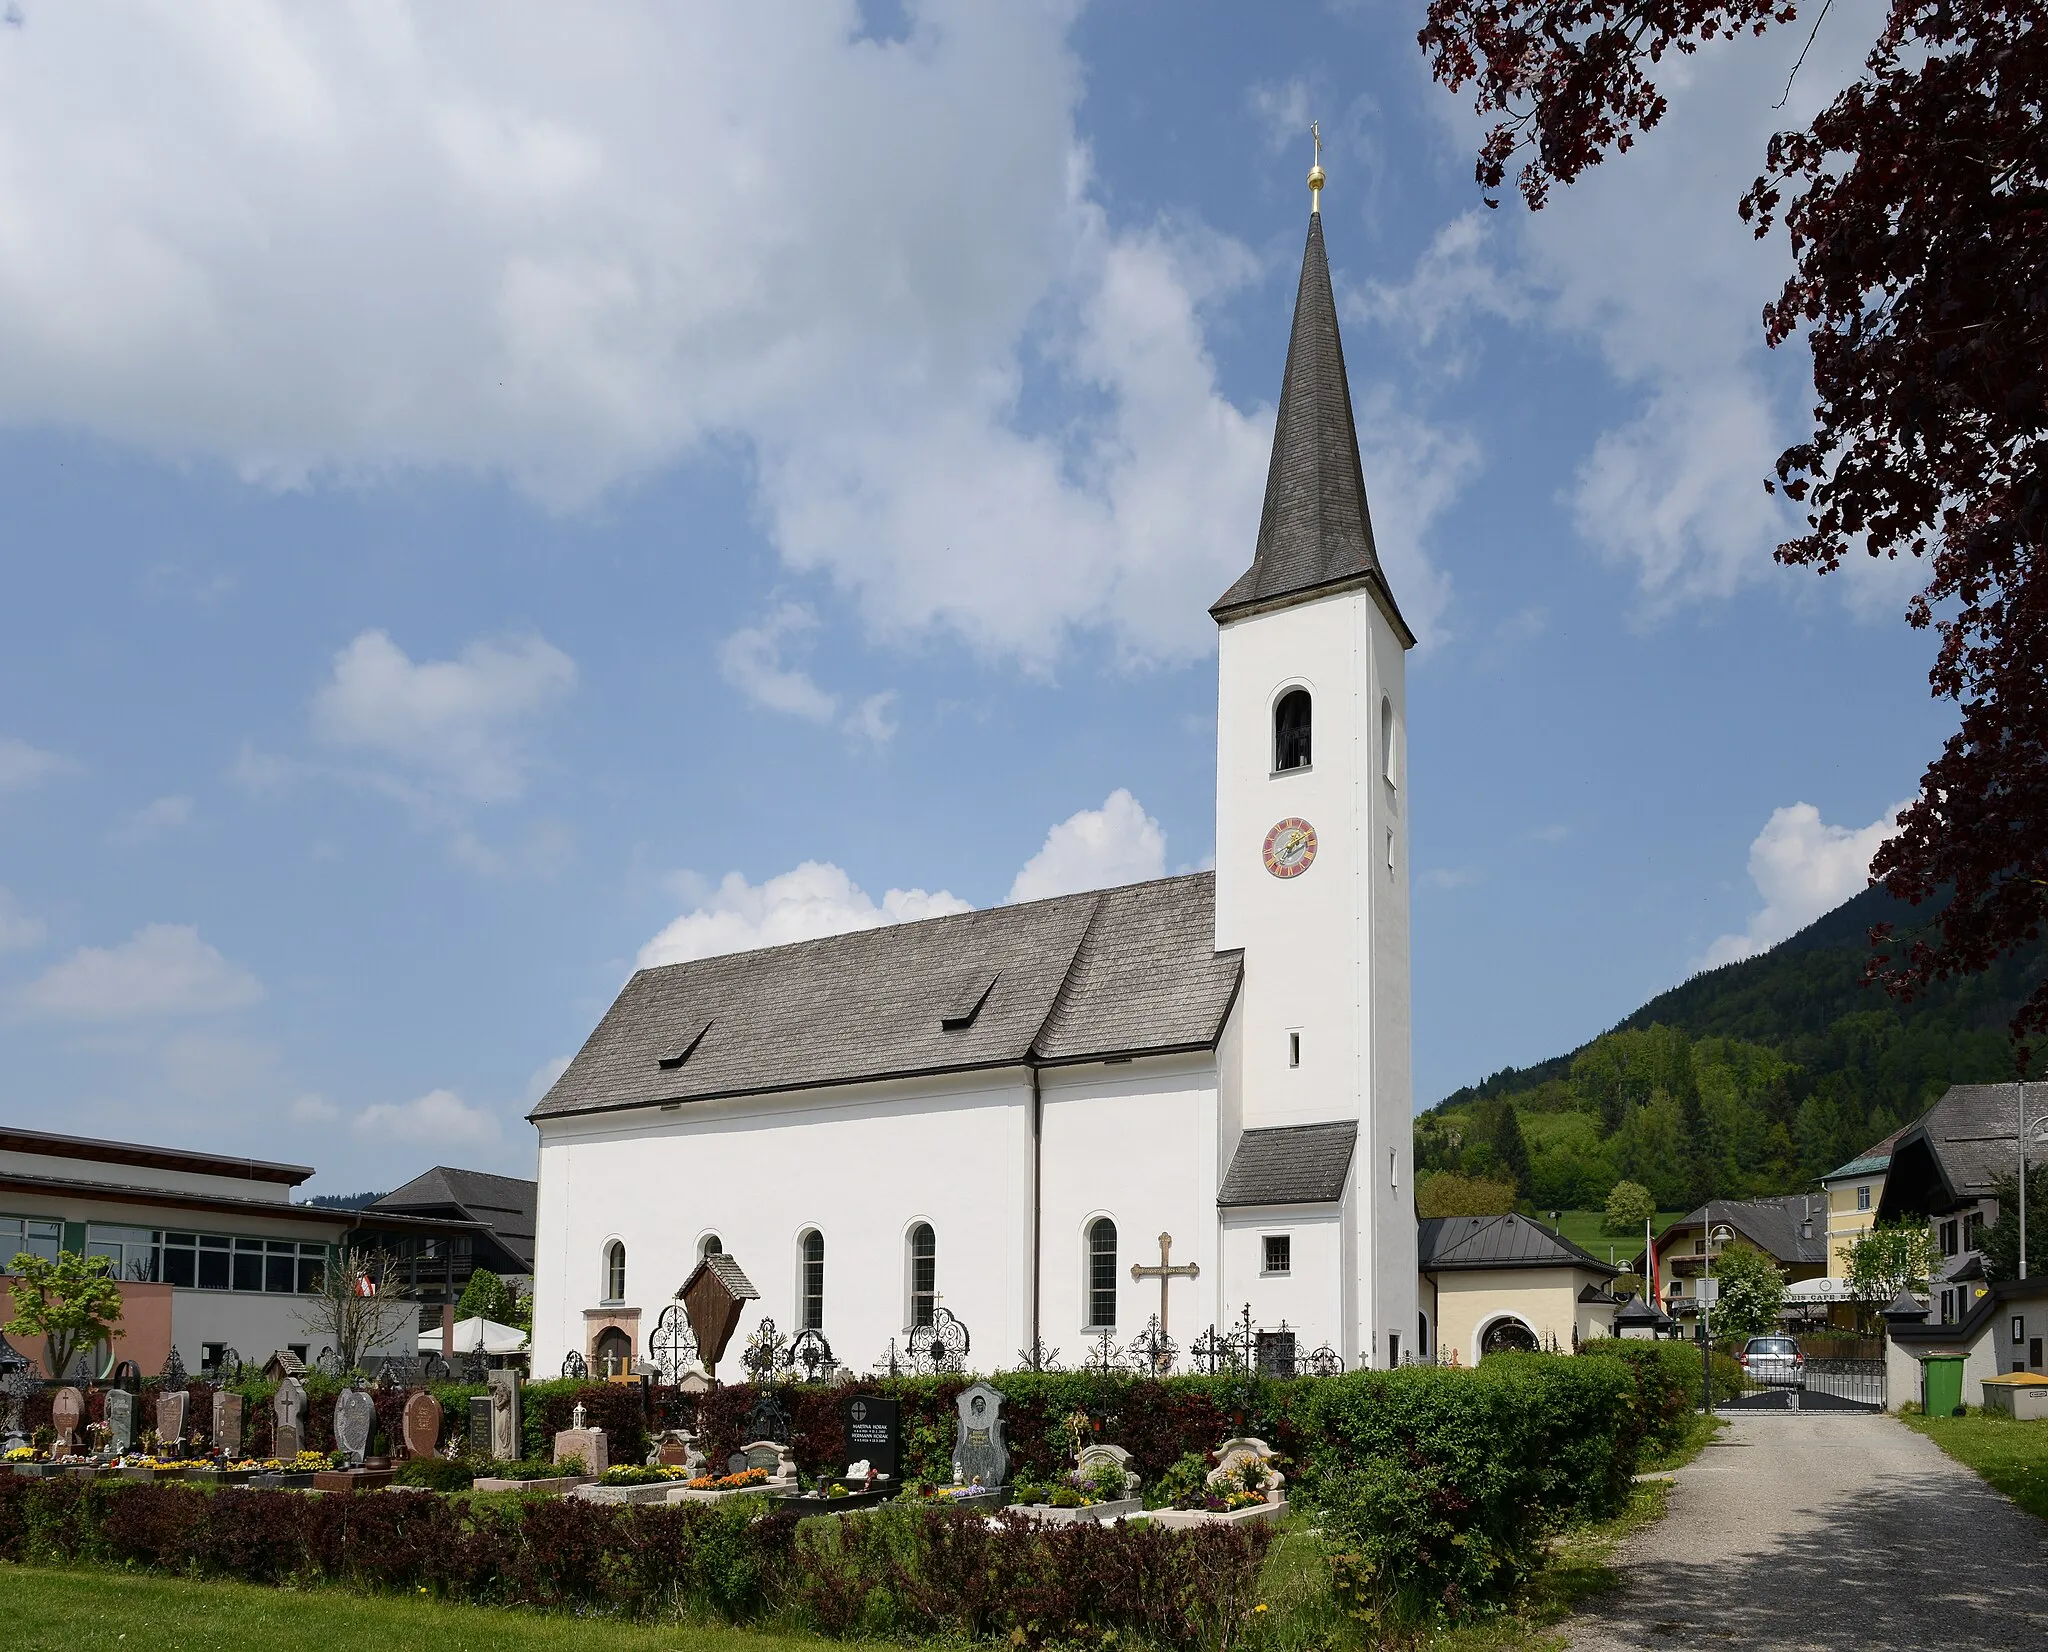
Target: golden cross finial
(1315, 171)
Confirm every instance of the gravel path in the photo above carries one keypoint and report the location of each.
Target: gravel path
(1827, 1530)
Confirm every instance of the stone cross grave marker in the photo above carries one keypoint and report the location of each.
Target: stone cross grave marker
(227, 1422)
(288, 1418)
(171, 1411)
(979, 1455)
(505, 1420)
(355, 1415)
(422, 1424)
(67, 1411)
(1165, 1273)
(480, 1425)
(874, 1433)
(120, 1420)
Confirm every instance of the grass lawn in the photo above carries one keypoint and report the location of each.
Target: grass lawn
(1699, 1429)
(2013, 1456)
(1585, 1228)
(49, 1609)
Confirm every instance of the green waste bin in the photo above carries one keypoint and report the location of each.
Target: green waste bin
(1941, 1384)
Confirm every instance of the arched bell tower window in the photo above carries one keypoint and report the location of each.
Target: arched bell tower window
(1387, 741)
(1291, 731)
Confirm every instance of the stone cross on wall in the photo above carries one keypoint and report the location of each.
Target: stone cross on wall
(1165, 1272)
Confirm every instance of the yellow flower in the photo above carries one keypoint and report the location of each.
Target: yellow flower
(1260, 1607)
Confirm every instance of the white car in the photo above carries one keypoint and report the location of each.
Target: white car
(1774, 1362)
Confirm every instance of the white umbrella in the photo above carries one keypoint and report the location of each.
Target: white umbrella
(478, 1336)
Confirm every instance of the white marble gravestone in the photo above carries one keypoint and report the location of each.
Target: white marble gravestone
(355, 1416)
(980, 1456)
(120, 1420)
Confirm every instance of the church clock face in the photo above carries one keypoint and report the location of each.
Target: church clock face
(1290, 848)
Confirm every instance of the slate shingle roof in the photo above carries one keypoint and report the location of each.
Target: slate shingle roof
(1952, 1156)
(1772, 1225)
(1450, 1242)
(505, 1204)
(1290, 1164)
(1129, 971)
(1315, 531)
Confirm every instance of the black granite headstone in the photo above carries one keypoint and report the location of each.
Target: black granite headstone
(874, 1433)
(480, 1426)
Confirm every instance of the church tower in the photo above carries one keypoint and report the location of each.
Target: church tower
(1312, 824)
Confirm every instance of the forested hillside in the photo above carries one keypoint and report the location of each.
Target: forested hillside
(1749, 1079)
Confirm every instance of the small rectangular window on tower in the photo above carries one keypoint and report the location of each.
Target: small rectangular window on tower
(1294, 1049)
(1279, 1253)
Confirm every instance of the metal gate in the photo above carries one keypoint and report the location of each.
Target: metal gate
(1830, 1373)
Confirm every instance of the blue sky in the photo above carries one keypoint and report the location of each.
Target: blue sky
(499, 493)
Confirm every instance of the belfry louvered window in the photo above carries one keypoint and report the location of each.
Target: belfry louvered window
(1291, 731)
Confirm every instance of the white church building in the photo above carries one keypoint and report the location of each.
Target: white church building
(997, 1114)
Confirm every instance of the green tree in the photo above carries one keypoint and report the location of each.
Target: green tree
(1890, 1258)
(1629, 1206)
(1445, 1194)
(71, 1303)
(486, 1296)
(1752, 1291)
(1510, 1150)
(2001, 1241)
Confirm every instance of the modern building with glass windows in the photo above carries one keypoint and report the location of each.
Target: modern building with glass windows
(211, 1252)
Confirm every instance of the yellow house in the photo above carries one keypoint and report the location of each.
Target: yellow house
(1494, 1283)
(1854, 1192)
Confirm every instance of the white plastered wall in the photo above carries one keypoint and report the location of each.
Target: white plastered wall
(862, 1164)
(1326, 953)
(1310, 1297)
(1137, 1142)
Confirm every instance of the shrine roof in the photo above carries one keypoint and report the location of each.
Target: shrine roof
(1108, 973)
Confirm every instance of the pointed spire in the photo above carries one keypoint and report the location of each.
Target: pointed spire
(1315, 533)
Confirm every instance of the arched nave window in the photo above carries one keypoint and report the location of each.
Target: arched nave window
(924, 1274)
(811, 1311)
(1291, 731)
(1387, 740)
(615, 1271)
(1101, 1274)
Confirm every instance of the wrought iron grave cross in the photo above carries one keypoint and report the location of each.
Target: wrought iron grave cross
(1164, 1273)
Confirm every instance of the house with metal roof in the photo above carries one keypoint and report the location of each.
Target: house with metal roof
(1791, 1230)
(1498, 1283)
(1121, 1113)
(1854, 1192)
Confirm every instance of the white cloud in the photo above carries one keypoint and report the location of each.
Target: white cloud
(440, 1118)
(812, 900)
(312, 1109)
(163, 969)
(1449, 877)
(1095, 849)
(18, 931)
(458, 725)
(153, 819)
(22, 765)
(1802, 867)
(573, 247)
(751, 659)
(873, 720)
(1282, 110)
(544, 1076)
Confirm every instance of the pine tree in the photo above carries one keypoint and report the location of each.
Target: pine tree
(1510, 1151)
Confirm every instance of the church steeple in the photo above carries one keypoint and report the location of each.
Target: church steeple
(1315, 533)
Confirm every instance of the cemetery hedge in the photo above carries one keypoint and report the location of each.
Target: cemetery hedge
(907, 1572)
(1436, 1490)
